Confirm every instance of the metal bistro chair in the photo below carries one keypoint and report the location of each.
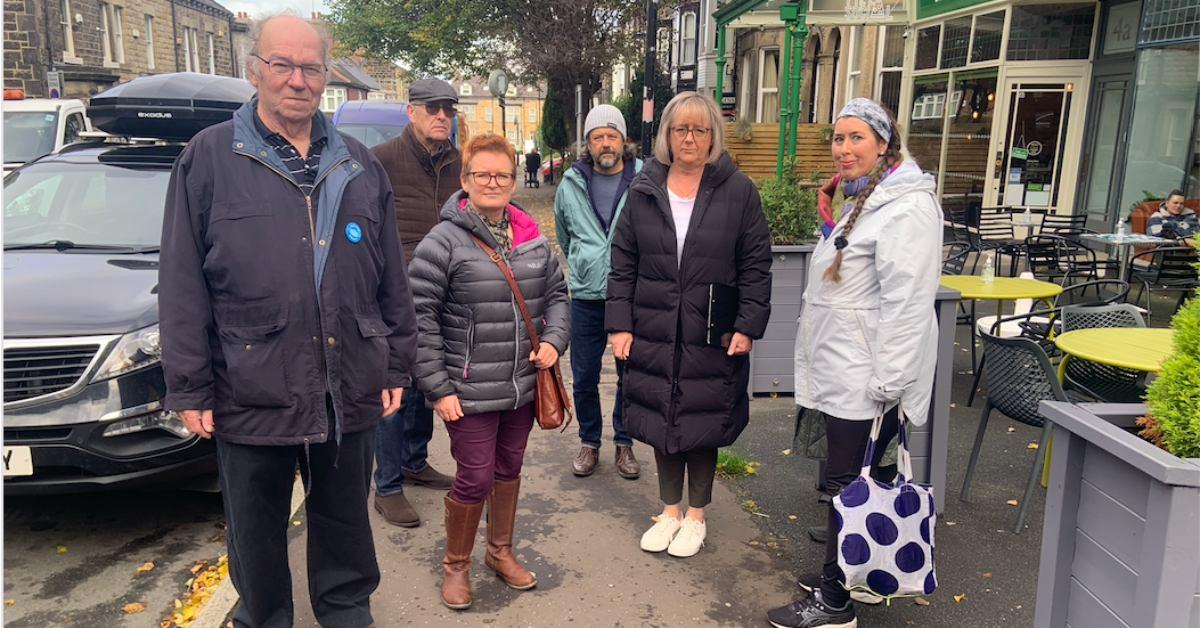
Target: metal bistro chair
(1100, 381)
(994, 232)
(1069, 226)
(954, 257)
(1020, 378)
(1164, 269)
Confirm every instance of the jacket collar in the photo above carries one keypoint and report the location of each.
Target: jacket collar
(653, 179)
(524, 227)
(248, 141)
(429, 161)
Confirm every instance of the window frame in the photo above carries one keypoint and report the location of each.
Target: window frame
(150, 42)
(68, 24)
(212, 53)
(334, 94)
(686, 49)
(112, 35)
(761, 91)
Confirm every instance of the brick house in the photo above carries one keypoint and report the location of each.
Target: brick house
(481, 110)
(95, 44)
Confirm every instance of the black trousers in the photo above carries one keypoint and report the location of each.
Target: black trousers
(256, 486)
(847, 442)
(701, 468)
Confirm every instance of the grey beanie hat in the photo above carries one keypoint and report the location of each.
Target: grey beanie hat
(604, 116)
(870, 112)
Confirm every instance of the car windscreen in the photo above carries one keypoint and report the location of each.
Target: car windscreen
(28, 135)
(88, 204)
(370, 134)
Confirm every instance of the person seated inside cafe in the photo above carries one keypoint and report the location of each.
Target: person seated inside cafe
(1174, 221)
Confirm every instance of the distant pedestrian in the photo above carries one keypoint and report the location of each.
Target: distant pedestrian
(693, 223)
(287, 327)
(424, 168)
(867, 339)
(475, 359)
(533, 161)
(586, 208)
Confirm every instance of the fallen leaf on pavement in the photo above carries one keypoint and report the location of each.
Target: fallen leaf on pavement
(954, 405)
(9, 602)
(951, 523)
(959, 598)
(146, 567)
(987, 574)
(921, 601)
(1011, 429)
(62, 549)
(200, 565)
(1012, 502)
(1031, 446)
(133, 607)
(791, 517)
(296, 523)
(787, 452)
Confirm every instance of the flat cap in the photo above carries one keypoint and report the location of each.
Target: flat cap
(429, 90)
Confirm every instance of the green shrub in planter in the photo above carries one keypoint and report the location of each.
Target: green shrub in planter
(791, 211)
(1174, 398)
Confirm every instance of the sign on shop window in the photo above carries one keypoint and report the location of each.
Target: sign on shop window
(1120, 35)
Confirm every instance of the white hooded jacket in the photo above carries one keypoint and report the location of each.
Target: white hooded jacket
(871, 338)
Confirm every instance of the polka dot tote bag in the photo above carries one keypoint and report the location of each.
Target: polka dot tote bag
(885, 531)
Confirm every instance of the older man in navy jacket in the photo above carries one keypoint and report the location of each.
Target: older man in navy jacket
(288, 326)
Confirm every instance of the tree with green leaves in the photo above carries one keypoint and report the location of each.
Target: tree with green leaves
(631, 104)
(565, 43)
(554, 124)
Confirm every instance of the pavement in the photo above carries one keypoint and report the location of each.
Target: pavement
(580, 535)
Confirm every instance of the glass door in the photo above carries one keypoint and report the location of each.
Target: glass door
(1035, 142)
(1104, 152)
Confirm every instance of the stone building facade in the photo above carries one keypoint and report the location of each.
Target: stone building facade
(95, 44)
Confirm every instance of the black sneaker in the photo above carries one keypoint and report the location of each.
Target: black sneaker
(812, 582)
(811, 612)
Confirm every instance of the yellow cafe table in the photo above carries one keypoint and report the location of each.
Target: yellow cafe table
(1134, 348)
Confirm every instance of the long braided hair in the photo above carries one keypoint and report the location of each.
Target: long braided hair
(889, 159)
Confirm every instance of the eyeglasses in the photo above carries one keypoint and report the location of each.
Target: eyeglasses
(503, 179)
(697, 132)
(433, 109)
(281, 67)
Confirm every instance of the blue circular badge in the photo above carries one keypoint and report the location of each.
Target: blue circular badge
(353, 232)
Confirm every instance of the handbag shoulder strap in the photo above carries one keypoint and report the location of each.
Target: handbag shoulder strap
(516, 290)
(904, 470)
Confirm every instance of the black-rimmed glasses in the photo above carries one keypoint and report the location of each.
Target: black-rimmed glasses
(503, 179)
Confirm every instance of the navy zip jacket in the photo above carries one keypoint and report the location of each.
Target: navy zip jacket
(270, 299)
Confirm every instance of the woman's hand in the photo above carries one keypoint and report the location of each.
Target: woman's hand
(622, 342)
(448, 408)
(740, 344)
(545, 356)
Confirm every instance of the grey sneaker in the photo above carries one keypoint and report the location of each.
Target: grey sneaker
(811, 612)
(812, 582)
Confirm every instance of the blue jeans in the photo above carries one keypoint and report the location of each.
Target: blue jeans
(402, 443)
(588, 341)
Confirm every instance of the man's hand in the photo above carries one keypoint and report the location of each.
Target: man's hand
(391, 398)
(740, 344)
(545, 356)
(448, 408)
(622, 342)
(199, 422)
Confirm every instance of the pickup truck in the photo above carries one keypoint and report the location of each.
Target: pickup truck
(39, 126)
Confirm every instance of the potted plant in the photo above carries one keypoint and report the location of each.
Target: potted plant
(1120, 543)
(791, 212)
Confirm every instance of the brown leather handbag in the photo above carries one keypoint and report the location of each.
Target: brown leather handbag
(551, 405)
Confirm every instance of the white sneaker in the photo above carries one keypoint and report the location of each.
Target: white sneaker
(659, 536)
(689, 540)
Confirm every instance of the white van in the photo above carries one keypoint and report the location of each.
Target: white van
(39, 126)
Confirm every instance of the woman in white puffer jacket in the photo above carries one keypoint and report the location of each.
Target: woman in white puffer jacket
(867, 338)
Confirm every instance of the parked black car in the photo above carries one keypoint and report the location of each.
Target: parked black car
(83, 385)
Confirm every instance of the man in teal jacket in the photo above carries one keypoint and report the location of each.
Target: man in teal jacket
(586, 208)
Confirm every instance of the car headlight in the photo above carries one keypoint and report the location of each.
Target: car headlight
(164, 420)
(135, 350)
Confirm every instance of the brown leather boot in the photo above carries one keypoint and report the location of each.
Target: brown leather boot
(502, 515)
(462, 521)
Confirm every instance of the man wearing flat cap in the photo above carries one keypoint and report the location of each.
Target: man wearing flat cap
(424, 170)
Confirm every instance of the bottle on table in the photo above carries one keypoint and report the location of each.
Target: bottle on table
(1027, 219)
(989, 269)
(1120, 230)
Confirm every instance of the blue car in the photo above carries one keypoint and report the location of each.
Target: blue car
(371, 121)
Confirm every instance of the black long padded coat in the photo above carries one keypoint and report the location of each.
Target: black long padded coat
(681, 394)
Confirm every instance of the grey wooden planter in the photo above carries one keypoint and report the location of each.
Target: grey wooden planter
(1121, 539)
(772, 362)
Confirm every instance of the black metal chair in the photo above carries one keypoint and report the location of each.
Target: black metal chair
(1164, 269)
(993, 231)
(954, 257)
(1043, 255)
(1069, 226)
(1020, 378)
(1102, 382)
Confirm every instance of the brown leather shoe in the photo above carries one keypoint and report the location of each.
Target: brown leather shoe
(627, 465)
(397, 511)
(585, 462)
(502, 514)
(462, 521)
(430, 478)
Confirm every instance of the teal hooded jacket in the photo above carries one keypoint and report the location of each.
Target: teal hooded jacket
(582, 234)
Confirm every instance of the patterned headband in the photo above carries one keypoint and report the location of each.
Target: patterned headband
(870, 112)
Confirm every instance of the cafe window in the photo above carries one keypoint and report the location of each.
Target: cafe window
(928, 40)
(925, 129)
(1051, 31)
(1170, 20)
(986, 38)
(971, 107)
(956, 37)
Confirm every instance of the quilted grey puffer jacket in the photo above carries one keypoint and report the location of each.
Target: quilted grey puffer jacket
(472, 340)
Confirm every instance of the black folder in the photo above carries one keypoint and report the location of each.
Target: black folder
(722, 313)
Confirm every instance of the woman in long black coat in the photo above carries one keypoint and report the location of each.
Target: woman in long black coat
(691, 220)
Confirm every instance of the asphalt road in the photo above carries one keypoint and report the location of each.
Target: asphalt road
(106, 538)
